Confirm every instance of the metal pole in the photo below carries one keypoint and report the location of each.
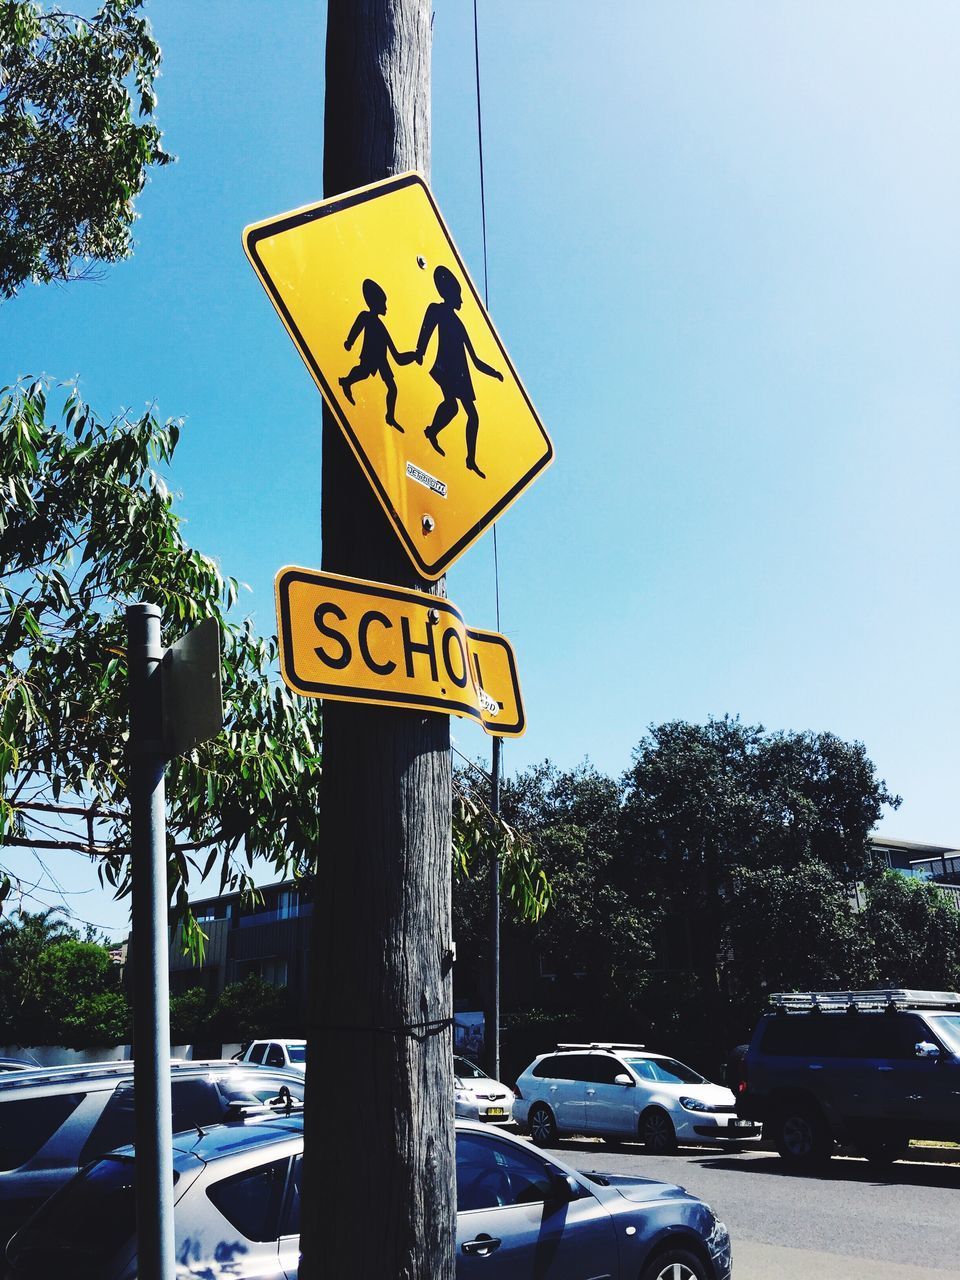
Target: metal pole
(151, 996)
(494, 1050)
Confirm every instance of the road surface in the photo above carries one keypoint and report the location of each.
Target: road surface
(850, 1222)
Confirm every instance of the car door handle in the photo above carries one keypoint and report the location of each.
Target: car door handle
(814, 1066)
(884, 1068)
(482, 1246)
(591, 1092)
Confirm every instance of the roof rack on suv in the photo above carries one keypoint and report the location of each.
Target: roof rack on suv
(99, 1070)
(892, 998)
(602, 1044)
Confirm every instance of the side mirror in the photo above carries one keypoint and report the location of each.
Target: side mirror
(563, 1188)
(625, 1080)
(924, 1049)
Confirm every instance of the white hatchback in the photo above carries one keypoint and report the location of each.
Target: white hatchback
(479, 1097)
(624, 1091)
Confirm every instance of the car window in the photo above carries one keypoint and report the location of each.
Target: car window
(468, 1070)
(808, 1035)
(275, 1056)
(250, 1201)
(195, 1102)
(669, 1071)
(825, 1035)
(599, 1068)
(291, 1214)
(260, 1087)
(563, 1066)
(26, 1124)
(643, 1068)
(297, 1052)
(491, 1175)
(885, 1035)
(257, 1052)
(551, 1068)
(88, 1220)
(947, 1027)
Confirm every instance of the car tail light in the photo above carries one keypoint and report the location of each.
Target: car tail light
(742, 1082)
(517, 1093)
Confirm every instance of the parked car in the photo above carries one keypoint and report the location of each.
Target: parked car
(56, 1119)
(875, 1068)
(237, 1208)
(291, 1054)
(623, 1091)
(477, 1096)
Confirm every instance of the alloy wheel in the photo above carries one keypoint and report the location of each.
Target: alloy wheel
(542, 1127)
(798, 1138)
(676, 1271)
(659, 1134)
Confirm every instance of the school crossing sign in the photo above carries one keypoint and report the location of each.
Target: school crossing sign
(374, 294)
(358, 641)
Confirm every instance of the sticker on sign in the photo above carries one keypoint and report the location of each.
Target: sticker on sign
(358, 641)
(428, 481)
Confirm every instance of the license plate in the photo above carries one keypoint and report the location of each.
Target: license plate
(741, 1124)
(496, 1111)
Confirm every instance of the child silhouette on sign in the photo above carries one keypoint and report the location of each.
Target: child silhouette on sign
(450, 369)
(373, 354)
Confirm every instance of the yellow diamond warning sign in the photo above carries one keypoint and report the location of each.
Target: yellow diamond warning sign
(380, 306)
(358, 641)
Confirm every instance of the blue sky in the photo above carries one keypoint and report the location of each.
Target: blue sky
(723, 257)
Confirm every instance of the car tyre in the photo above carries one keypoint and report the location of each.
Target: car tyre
(802, 1137)
(542, 1126)
(657, 1133)
(675, 1264)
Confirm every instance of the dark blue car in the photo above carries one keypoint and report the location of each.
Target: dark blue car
(521, 1215)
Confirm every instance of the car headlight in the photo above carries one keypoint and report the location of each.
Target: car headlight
(694, 1104)
(462, 1097)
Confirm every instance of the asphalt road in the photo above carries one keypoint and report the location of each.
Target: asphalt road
(850, 1223)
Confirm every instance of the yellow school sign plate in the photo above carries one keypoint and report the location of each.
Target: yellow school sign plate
(358, 641)
(373, 292)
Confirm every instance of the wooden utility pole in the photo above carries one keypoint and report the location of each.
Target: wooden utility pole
(379, 1195)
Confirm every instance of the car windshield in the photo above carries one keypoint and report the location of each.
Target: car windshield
(297, 1052)
(467, 1070)
(947, 1027)
(664, 1071)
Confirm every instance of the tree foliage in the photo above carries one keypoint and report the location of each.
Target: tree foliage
(87, 525)
(58, 987)
(794, 929)
(914, 930)
(77, 136)
(705, 804)
(250, 1010)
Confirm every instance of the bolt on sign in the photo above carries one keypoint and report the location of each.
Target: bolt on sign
(380, 306)
(358, 641)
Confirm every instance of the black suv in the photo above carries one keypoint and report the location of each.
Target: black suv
(54, 1120)
(872, 1068)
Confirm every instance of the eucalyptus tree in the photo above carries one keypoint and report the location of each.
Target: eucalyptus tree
(77, 137)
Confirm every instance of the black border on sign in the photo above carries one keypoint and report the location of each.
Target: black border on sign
(519, 727)
(336, 205)
(349, 693)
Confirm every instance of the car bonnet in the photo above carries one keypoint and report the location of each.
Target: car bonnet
(637, 1190)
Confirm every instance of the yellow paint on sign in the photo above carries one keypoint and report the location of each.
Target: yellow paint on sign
(380, 306)
(358, 641)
